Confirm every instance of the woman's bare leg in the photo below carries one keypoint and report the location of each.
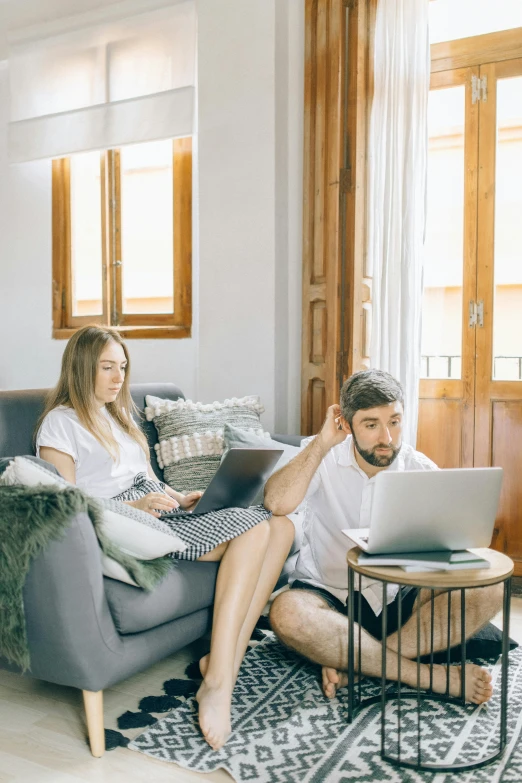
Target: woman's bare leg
(237, 580)
(282, 534)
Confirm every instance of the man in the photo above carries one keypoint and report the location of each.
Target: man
(334, 473)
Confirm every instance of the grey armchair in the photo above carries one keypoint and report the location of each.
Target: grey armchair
(85, 630)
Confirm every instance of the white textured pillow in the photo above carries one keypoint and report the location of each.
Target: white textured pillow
(190, 435)
(115, 570)
(135, 532)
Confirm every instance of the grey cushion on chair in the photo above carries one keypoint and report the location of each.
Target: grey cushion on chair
(4, 463)
(187, 588)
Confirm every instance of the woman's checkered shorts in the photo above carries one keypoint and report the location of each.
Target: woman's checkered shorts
(201, 533)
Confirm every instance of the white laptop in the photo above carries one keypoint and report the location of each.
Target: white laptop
(429, 511)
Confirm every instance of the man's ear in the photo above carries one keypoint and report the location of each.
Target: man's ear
(344, 424)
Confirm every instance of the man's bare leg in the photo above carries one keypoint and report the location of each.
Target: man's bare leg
(307, 624)
(282, 534)
(481, 605)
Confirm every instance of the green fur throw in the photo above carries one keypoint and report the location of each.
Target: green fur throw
(30, 518)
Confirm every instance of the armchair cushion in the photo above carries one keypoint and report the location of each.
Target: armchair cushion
(187, 588)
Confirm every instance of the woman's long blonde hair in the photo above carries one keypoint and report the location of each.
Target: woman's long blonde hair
(75, 389)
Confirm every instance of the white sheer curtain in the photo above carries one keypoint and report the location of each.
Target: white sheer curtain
(397, 193)
(121, 74)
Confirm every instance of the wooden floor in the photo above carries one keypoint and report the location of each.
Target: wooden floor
(42, 729)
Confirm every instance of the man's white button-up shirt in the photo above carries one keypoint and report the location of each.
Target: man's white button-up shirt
(340, 497)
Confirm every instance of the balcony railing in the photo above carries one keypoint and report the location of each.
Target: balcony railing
(508, 368)
(440, 366)
(511, 369)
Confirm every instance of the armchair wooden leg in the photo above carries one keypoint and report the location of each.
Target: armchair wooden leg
(93, 702)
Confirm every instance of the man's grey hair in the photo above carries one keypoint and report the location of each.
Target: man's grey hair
(369, 389)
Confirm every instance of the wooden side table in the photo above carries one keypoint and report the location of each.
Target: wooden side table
(500, 571)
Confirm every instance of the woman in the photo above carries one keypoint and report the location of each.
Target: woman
(88, 433)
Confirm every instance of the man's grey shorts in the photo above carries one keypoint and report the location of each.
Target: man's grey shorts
(368, 620)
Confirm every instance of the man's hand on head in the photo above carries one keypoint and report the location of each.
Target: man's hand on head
(333, 430)
(286, 488)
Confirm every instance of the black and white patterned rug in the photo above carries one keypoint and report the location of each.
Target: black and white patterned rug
(285, 731)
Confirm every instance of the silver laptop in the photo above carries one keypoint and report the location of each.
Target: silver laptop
(238, 479)
(428, 511)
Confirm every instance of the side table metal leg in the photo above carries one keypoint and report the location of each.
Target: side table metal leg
(399, 653)
(432, 633)
(359, 649)
(463, 644)
(418, 689)
(351, 683)
(505, 663)
(383, 666)
(448, 650)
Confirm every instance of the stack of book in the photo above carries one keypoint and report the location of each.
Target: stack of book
(427, 561)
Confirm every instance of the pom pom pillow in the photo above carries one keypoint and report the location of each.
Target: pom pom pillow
(190, 436)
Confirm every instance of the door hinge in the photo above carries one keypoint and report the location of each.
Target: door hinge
(345, 180)
(476, 313)
(479, 88)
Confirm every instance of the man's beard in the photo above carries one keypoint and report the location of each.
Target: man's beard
(374, 459)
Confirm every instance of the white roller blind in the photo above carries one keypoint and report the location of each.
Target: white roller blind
(96, 84)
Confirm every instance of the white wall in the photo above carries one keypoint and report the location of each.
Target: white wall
(246, 336)
(250, 71)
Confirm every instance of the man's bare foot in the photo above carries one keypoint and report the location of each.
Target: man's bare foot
(477, 682)
(332, 681)
(214, 713)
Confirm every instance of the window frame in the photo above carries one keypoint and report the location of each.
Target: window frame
(160, 325)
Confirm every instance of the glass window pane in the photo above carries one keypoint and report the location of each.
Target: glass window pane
(444, 246)
(507, 322)
(147, 230)
(86, 239)
(452, 19)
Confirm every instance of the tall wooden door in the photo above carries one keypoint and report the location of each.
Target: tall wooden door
(335, 296)
(446, 399)
(498, 391)
(471, 393)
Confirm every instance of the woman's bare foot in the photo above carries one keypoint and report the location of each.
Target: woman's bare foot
(214, 713)
(203, 664)
(477, 682)
(332, 681)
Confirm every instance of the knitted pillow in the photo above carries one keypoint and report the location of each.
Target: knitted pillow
(190, 436)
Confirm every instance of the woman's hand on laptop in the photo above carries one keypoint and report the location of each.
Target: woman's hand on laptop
(154, 503)
(332, 432)
(187, 501)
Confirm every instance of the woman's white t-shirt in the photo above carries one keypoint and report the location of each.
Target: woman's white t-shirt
(96, 471)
